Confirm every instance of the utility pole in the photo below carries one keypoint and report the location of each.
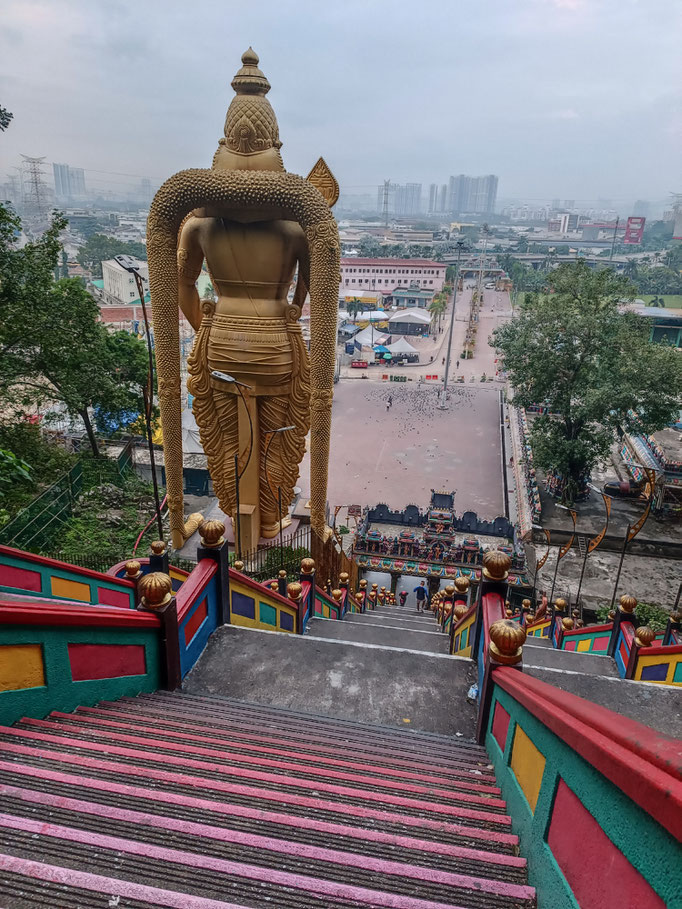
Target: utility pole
(444, 394)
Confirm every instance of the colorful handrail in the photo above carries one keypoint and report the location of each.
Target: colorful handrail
(36, 575)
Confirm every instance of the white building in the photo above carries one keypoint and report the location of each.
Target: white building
(387, 274)
(119, 285)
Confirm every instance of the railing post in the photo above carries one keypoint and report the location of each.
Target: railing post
(156, 595)
(644, 637)
(362, 595)
(134, 573)
(294, 592)
(505, 649)
(158, 556)
(343, 584)
(560, 606)
(307, 575)
(625, 614)
(282, 582)
(494, 574)
(214, 547)
(674, 626)
(337, 596)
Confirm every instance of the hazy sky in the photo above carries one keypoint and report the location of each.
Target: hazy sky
(578, 99)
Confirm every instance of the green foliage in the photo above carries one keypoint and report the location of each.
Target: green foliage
(658, 280)
(574, 350)
(343, 530)
(650, 614)
(53, 348)
(48, 462)
(291, 557)
(108, 518)
(6, 118)
(99, 247)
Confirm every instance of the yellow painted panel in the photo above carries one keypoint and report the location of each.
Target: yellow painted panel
(643, 661)
(584, 645)
(21, 666)
(528, 765)
(74, 590)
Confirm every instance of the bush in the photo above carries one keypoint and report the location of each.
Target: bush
(47, 461)
(650, 614)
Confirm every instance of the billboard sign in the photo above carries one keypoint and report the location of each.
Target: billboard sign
(633, 231)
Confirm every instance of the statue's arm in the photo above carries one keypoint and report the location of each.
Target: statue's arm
(190, 260)
(303, 280)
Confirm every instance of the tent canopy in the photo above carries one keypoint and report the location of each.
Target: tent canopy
(402, 345)
(369, 337)
(415, 316)
(380, 348)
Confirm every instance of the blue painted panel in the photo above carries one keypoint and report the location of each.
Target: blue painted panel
(286, 621)
(243, 605)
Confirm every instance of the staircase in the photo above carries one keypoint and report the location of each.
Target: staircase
(387, 626)
(203, 802)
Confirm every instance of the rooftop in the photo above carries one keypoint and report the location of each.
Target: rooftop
(409, 263)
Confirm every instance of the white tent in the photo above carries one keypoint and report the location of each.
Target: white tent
(414, 316)
(374, 315)
(402, 345)
(370, 337)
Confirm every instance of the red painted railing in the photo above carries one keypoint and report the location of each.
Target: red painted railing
(645, 765)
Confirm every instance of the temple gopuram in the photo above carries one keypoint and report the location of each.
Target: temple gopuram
(436, 544)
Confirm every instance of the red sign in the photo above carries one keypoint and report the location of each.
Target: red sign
(634, 231)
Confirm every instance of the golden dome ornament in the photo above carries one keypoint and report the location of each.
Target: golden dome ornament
(628, 604)
(567, 623)
(496, 565)
(158, 547)
(211, 533)
(461, 584)
(307, 566)
(645, 636)
(294, 591)
(506, 642)
(155, 589)
(133, 570)
(337, 594)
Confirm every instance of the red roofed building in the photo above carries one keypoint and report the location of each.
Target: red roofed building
(387, 274)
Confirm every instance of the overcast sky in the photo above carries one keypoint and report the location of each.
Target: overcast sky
(577, 99)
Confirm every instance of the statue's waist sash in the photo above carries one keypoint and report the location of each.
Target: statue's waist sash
(257, 351)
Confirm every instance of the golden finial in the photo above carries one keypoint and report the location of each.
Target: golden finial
(294, 591)
(509, 613)
(363, 584)
(461, 584)
(281, 573)
(307, 566)
(460, 610)
(343, 579)
(155, 590)
(496, 565)
(211, 533)
(560, 604)
(645, 636)
(337, 594)
(567, 623)
(239, 566)
(628, 604)
(158, 547)
(526, 604)
(450, 590)
(506, 642)
(274, 585)
(132, 570)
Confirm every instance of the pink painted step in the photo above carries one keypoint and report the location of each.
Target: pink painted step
(179, 801)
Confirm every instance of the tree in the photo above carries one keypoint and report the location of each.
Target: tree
(99, 247)
(438, 306)
(6, 118)
(354, 307)
(630, 269)
(53, 348)
(592, 364)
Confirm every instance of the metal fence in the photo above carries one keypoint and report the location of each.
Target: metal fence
(265, 562)
(38, 525)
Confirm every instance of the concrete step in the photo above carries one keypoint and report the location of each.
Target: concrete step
(588, 663)
(356, 680)
(430, 640)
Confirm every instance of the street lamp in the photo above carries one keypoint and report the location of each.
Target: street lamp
(127, 263)
(444, 394)
(230, 380)
(272, 433)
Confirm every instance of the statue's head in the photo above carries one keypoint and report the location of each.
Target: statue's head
(251, 140)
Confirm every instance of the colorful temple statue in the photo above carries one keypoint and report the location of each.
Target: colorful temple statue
(255, 226)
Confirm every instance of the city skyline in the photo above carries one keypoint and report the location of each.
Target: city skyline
(541, 92)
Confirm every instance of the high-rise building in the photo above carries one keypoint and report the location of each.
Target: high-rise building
(641, 208)
(433, 198)
(472, 194)
(443, 198)
(408, 199)
(69, 182)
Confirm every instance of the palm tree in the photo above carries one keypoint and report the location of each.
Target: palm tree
(630, 269)
(354, 306)
(437, 307)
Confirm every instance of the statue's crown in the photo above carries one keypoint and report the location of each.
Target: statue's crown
(250, 125)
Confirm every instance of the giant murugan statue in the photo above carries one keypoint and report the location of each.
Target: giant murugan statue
(255, 226)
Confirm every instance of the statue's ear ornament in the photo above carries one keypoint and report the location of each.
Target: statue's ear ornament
(325, 182)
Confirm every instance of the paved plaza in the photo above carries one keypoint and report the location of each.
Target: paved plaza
(398, 455)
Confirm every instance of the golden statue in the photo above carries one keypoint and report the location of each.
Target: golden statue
(254, 224)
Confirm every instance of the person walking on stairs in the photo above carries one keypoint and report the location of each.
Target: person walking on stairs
(421, 596)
